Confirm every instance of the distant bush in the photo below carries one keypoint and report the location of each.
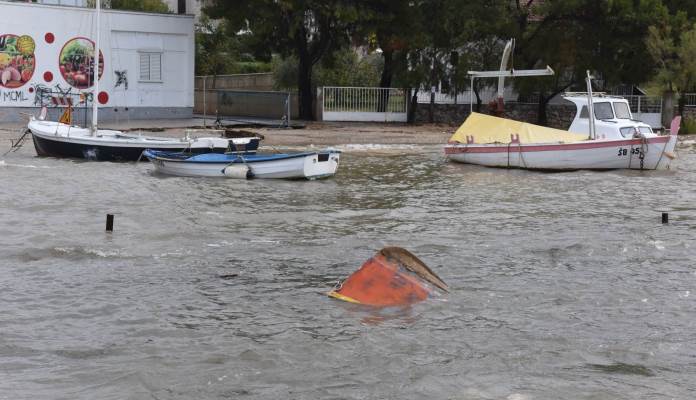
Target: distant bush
(345, 68)
(688, 126)
(249, 67)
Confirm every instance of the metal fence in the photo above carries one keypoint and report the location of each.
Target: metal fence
(365, 99)
(644, 104)
(364, 104)
(690, 99)
(255, 104)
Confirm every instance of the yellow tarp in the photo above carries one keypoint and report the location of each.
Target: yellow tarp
(489, 129)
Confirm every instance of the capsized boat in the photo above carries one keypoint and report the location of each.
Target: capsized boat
(56, 139)
(392, 277)
(307, 165)
(616, 140)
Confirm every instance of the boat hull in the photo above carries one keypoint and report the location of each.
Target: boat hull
(52, 139)
(656, 152)
(314, 165)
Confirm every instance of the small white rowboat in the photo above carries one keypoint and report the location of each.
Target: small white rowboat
(309, 165)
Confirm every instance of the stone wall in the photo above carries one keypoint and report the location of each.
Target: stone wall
(558, 116)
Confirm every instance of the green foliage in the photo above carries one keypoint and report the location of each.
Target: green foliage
(155, 6)
(345, 69)
(688, 126)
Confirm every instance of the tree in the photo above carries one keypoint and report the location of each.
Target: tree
(672, 45)
(575, 36)
(306, 29)
(216, 47)
(157, 6)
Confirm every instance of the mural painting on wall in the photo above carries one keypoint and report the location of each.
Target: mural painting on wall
(17, 61)
(77, 62)
(27, 71)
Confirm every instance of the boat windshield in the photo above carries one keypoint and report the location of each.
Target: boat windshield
(628, 132)
(622, 111)
(603, 110)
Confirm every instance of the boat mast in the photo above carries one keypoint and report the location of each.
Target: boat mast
(590, 106)
(95, 77)
(503, 66)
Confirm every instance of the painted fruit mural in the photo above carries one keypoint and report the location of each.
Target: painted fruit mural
(76, 62)
(17, 61)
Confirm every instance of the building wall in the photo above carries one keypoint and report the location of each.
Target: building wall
(124, 36)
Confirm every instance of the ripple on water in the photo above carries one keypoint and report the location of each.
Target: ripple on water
(562, 285)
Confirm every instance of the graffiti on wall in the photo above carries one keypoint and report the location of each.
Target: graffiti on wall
(121, 79)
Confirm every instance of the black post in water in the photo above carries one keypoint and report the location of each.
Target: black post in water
(110, 222)
(665, 218)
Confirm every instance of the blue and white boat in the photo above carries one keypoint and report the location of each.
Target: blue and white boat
(307, 165)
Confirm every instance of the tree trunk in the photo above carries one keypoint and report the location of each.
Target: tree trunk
(386, 79)
(411, 117)
(667, 107)
(304, 76)
(478, 99)
(681, 104)
(304, 86)
(541, 110)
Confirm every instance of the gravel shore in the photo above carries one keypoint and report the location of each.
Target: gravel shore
(313, 133)
(320, 134)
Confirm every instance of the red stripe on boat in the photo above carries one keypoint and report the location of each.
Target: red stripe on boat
(525, 148)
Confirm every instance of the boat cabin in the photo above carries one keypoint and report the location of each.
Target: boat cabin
(613, 118)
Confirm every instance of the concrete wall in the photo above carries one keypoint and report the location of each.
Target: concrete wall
(124, 36)
(261, 81)
(243, 95)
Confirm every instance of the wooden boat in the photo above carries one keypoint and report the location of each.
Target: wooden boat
(308, 165)
(55, 139)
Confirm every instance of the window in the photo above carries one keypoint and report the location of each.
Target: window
(583, 112)
(628, 131)
(622, 111)
(603, 110)
(150, 67)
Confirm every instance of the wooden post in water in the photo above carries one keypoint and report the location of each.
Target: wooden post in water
(109, 222)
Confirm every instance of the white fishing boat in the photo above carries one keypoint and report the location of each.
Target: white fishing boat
(63, 139)
(610, 139)
(307, 165)
(55, 139)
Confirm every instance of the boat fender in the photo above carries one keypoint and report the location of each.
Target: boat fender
(238, 171)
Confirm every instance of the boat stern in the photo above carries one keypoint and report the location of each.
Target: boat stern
(322, 164)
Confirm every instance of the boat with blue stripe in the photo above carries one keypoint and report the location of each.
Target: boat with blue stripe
(304, 165)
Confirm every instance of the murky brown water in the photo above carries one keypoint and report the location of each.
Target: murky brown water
(563, 285)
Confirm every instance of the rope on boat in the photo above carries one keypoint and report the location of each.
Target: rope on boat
(519, 144)
(16, 145)
(643, 151)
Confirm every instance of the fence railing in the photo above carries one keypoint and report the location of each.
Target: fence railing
(690, 99)
(644, 104)
(365, 99)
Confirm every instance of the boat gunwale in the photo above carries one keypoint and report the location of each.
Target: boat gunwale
(455, 148)
(153, 154)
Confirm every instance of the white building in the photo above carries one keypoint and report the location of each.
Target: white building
(148, 61)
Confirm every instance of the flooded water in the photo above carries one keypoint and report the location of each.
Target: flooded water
(563, 285)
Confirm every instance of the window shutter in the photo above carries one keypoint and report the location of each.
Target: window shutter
(155, 66)
(144, 66)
